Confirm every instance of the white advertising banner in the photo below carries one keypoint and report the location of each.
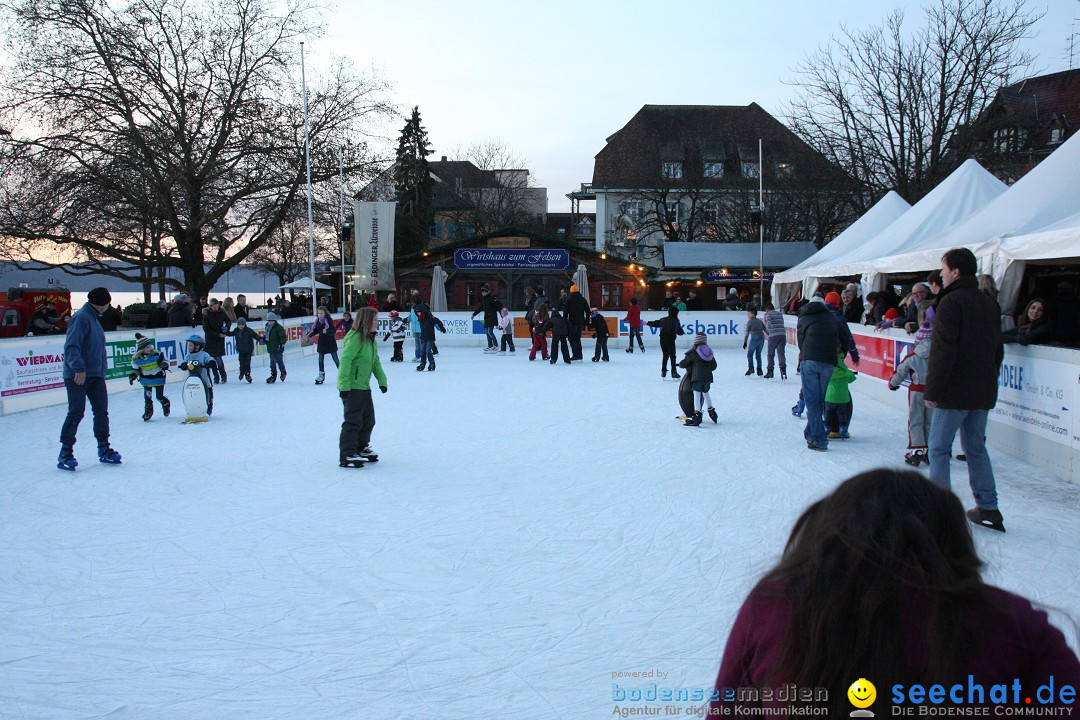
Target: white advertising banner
(373, 231)
(1039, 396)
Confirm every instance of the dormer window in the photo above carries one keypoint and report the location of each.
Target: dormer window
(671, 170)
(750, 169)
(1057, 134)
(714, 168)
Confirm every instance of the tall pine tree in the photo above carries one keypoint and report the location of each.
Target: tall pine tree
(412, 184)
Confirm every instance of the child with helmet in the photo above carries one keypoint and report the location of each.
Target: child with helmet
(397, 332)
(197, 363)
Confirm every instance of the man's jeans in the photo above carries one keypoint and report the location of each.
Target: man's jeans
(94, 389)
(815, 381)
(419, 346)
(972, 427)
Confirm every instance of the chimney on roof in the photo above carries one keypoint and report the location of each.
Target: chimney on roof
(444, 158)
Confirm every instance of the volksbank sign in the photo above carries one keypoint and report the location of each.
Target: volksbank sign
(511, 259)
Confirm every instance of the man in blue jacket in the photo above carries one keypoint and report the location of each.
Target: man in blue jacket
(84, 377)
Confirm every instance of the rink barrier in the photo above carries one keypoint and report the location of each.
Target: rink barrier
(31, 368)
(1036, 417)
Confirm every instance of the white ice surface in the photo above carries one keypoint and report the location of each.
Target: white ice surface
(529, 531)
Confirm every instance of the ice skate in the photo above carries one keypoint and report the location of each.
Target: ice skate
(914, 458)
(352, 461)
(272, 379)
(675, 375)
(66, 460)
(283, 376)
(107, 455)
(148, 411)
(319, 380)
(844, 434)
(987, 518)
(713, 416)
(694, 420)
(768, 375)
(749, 371)
(166, 406)
(783, 374)
(369, 455)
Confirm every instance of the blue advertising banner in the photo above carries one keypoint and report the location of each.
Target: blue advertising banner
(511, 259)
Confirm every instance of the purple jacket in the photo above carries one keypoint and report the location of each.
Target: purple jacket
(1014, 640)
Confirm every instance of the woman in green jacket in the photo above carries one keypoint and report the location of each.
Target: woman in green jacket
(359, 361)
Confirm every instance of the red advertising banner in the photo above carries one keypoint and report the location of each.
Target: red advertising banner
(877, 356)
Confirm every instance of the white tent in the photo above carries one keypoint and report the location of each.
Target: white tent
(1058, 241)
(968, 189)
(884, 212)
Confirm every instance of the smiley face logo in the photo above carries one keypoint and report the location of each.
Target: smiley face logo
(862, 693)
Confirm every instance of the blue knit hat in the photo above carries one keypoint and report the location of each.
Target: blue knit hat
(270, 316)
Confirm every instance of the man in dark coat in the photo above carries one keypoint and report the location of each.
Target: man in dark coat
(576, 313)
(490, 306)
(159, 316)
(819, 342)
(693, 302)
(242, 310)
(110, 319)
(215, 325)
(180, 312)
(962, 381)
(45, 320)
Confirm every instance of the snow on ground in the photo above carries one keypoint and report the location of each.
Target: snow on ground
(529, 531)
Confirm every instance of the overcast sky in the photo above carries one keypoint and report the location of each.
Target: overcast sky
(551, 79)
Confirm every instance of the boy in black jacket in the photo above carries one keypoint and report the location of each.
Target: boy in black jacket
(670, 328)
(560, 332)
(245, 346)
(600, 332)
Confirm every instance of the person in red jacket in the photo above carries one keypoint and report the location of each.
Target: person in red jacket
(633, 322)
(880, 580)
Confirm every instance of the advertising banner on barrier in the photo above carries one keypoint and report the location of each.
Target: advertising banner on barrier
(877, 356)
(28, 366)
(1039, 396)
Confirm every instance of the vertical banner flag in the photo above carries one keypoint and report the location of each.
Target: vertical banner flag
(373, 231)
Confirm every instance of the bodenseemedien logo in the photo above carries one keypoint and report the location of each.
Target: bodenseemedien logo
(862, 694)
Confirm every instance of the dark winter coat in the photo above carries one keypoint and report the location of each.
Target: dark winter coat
(110, 319)
(577, 310)
(84, 346)
(818, 333)
(966, 354)
(241, 311)
(559, 326)
(428, 322)
(490, 306)
(697, 366)
(180, 315)
(670, 327)
(847, 341)
(275, 338)
(159, 318)
(1039, 332)
(598, 324)
(245, 339)
(215, 324)
(324, 330)
(853, 311)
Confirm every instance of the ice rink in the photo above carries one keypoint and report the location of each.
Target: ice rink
(529, 531)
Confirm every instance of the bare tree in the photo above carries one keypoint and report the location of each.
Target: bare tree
(885, 104)
(167, 134)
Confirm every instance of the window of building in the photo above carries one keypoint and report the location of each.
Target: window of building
(710, 214)
(632, 210)
(671, 212)
(750, 169)
(435, 230)
(1005, 140)
(714, 168)
(671, 170)
(1056, 135)
(472, 293)
(611, 295)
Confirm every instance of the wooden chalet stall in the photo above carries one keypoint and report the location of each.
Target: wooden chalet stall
(510, 260)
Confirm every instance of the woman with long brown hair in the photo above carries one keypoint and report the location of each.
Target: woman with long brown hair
(880, 580)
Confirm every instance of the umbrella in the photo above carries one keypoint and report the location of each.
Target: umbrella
(305, 284)
(438, 289)
(581, 279)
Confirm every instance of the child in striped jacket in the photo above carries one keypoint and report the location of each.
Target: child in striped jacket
(149, 366)
(777, 339)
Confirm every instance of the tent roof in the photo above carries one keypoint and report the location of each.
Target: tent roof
(305, 284)
(713, 255)
(964, 192)
(884, 212)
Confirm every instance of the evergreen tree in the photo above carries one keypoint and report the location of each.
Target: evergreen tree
(412, 185)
